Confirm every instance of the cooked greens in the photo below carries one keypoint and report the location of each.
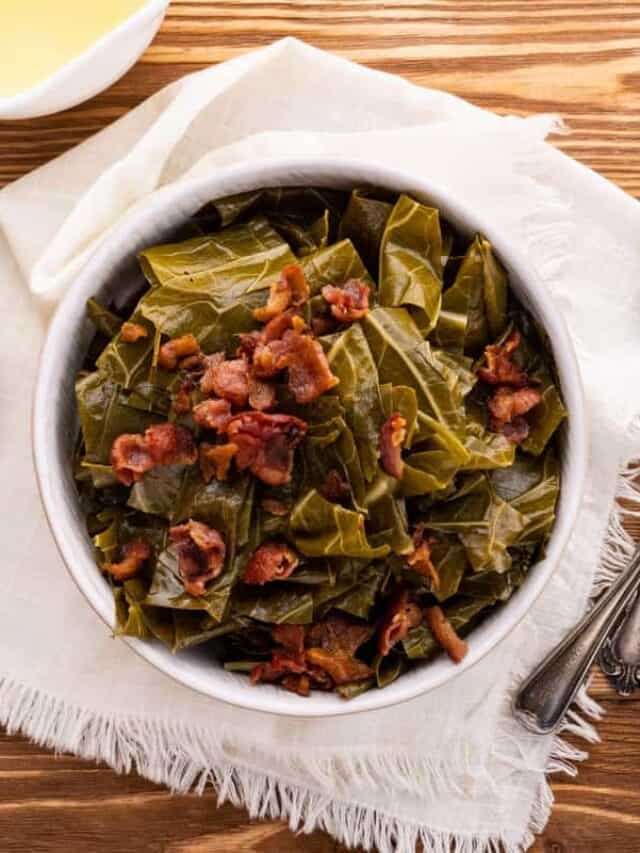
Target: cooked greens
(324, 441)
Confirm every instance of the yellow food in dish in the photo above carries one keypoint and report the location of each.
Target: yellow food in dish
(38, 37)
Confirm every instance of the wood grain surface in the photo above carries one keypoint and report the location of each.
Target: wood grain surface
(579, 58)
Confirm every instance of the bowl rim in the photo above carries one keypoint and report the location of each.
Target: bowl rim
(187, 196)
(147, 11)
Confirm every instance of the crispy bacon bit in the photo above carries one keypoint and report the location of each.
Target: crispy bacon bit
(420, 558)
(175, 350)
(299, 684)
(392, 436)
(134, 556)
(500, 369)
(290, 636)
(517, 430)
(339, 633)
(182, 402)
(445, 634)
(262, 395)
(309, 371)
(215, 460)
(507, 406)
(132, 332)
(349, 302)
(334, 488)
(171, 445)
(130, 458)
(226, 379)
(275, 507)
(132, 454)
(274, 561)
(275, 328)
(201, 551)
(290, 289)
(266, 444)
(212, 414)
(248, 343)
(342, 668)
(401, 616)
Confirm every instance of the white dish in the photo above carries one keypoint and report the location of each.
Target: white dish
(55, 422)
(100, 65)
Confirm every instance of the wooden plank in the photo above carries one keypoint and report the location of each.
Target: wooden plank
(576, 58)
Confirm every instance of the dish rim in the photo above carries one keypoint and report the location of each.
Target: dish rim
(176, 202)
(42, 89)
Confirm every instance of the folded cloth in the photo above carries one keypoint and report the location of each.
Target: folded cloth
(451, 766)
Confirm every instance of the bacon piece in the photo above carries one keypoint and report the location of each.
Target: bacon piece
(266, 444)
(182, 402)
(349, 302)
(274, 561)
(400, 617)
(290, 636)
(133, 454)
(130, 458)
(176, 349)
(342, 668)
(248, 343)
(215, 460)
(309, 371)
(275, 507)
(299, 684)
(171, 444)
(507, 406)
(212, 414)
(420, 558)
(445, 634)
(500, 369)
(290, 289)
(262, 395)
(275, 328)
(201, 552)
(134, 556)
(226, 379)
(132, 332)
(334, 488)
(516, 430)
(339, 633)
(392, 436)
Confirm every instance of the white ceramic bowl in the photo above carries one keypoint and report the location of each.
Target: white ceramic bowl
(100, 65)
(55, 424)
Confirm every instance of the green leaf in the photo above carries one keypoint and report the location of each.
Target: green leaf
(276, 606)
(543, 420)
(104, 415)
(158, 491)
(334, 264)
(485, 524)
(411, 262)
(474, 308)
(403, 358)
(363, 223)
(105, 321)
(351, 361)
(319, 528)
(215, 300)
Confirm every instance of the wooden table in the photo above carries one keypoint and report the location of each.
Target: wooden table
(578, 58)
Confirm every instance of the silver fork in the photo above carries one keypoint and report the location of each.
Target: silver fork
(613, 623)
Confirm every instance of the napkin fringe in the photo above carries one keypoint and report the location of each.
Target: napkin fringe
(191, 761)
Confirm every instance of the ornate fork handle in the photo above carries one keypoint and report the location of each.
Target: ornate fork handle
(546, 695)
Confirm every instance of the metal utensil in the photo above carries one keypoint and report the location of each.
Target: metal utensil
(546, 695)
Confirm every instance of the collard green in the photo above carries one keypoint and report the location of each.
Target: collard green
(404, 489)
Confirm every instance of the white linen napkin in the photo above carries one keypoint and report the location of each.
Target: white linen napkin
(448, 766)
